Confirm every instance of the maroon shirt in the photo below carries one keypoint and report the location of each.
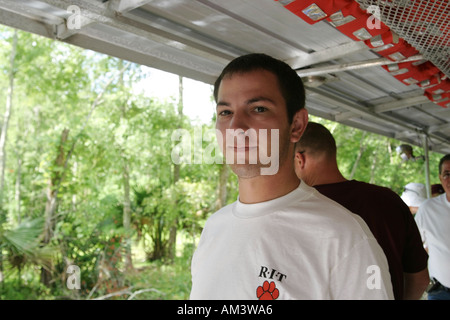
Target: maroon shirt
(390, 221)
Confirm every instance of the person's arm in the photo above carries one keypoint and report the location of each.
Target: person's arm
(415, 284)
(363, 274)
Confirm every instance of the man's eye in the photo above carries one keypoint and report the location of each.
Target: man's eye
(260, 109)
(224, 113)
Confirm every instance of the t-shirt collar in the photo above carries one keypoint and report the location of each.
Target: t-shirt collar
(244, 210)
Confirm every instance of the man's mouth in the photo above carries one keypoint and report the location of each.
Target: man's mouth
(241, 148)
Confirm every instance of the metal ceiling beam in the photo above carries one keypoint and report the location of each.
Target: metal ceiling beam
(352, 66)
(101, 13)
(404, 134)
(368, 112)
(19, 20)
(115, 7)
(345, 116)
(64, 30)
(388, 106)
(440, 127)
(327, 54)
(221, 7)
(442, 147)
(144, 53)
(32, 11)
(400, 104)
(123, 6)
(162, 23)
(356, 109)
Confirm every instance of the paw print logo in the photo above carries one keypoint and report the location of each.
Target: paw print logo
(267, 291)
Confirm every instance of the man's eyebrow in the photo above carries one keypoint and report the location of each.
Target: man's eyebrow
(222, 104)
(248, 102)
(259, 99)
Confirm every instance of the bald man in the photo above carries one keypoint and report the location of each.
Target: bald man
(385, 213)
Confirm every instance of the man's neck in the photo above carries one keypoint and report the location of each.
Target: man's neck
(267, 187)
(327, 174)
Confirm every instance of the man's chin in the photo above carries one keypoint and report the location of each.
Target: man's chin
(246, 171)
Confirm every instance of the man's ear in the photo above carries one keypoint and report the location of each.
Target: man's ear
(298, 125)
(299, 160)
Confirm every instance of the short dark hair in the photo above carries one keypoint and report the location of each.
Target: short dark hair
(291, 85)
(441, 162)
(317, 139)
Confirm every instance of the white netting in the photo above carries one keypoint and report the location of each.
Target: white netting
(424, 24)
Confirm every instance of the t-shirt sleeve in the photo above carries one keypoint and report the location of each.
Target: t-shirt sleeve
(370, 278)
(418, 218)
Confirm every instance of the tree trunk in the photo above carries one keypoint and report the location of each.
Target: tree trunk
(52, 200)
(7, 117)
(389, 148)
(127, 215)
(17, 194)
(18, 151)
(4, 132)
(74, 196)
(176, 176)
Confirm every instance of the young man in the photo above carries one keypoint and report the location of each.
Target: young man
(281, 239)
(433, 220)
(387, 216)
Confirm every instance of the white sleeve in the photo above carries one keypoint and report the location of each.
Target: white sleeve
(363, 274)
(420, 223)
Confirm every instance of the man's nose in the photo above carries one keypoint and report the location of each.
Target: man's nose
(240, 120)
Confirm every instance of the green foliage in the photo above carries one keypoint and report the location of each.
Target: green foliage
(22, 244)
(23, 238)
(56, 89)
(160, 281)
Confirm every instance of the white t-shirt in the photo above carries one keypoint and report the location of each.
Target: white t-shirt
(433, 220)
(299, 246)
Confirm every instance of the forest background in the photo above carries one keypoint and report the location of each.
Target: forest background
(91, 204)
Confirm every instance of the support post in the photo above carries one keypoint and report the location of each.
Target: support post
(427, 166)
